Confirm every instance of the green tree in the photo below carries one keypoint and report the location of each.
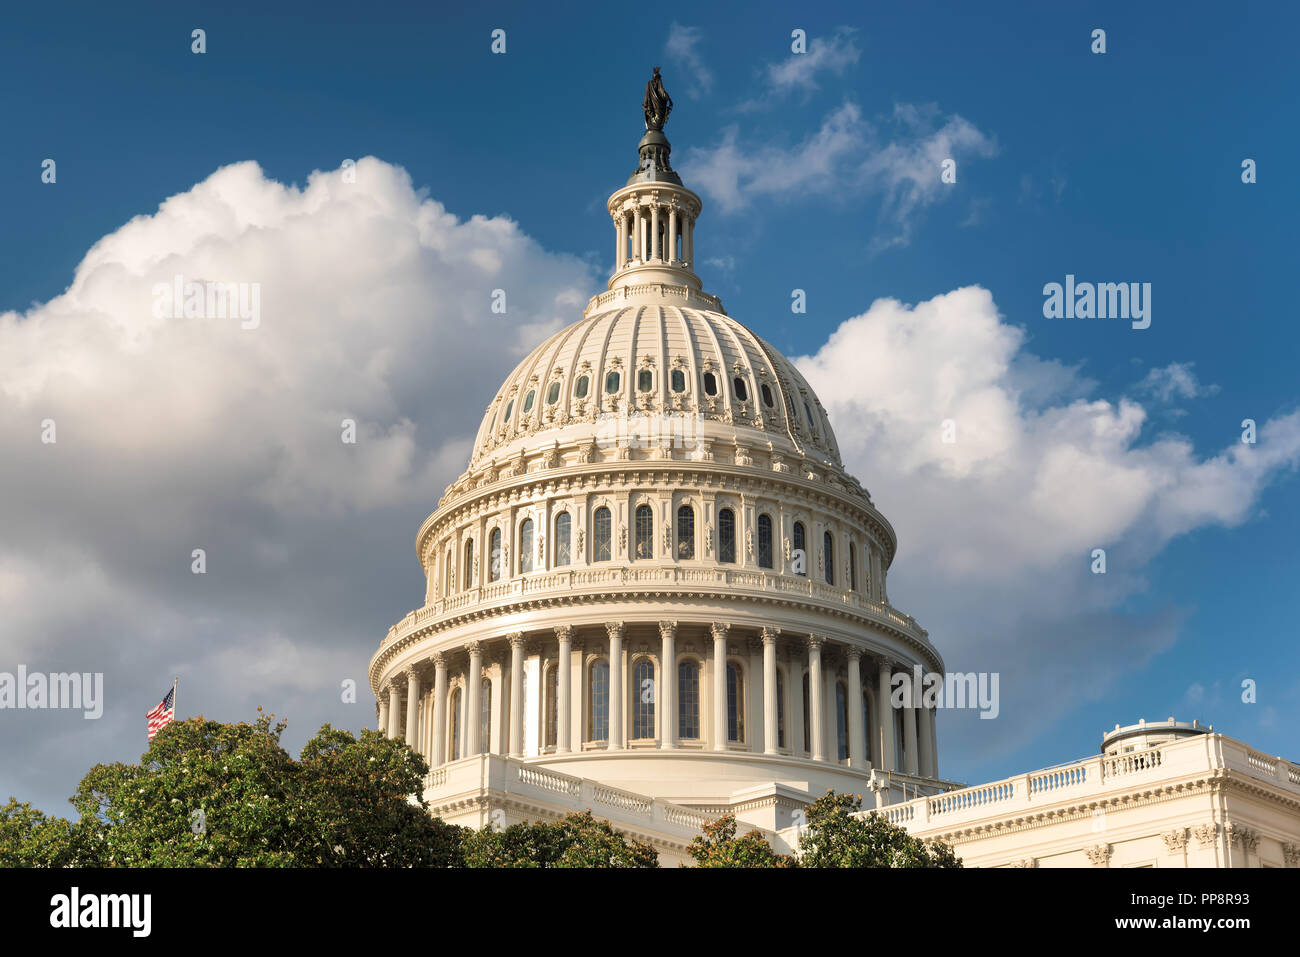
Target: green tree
(29, 838)
(836, 837)
(719, 847)
(577, 840)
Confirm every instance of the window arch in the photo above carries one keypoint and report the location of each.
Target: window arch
(598, 700)
(453, 744)
(469, 564)
(552, 705)
(828, 556)
(853, 567)
(685, 532)
(726, 535)
(842, 720)
(742, 393)
(645, 380)
(645, 532)
(580, 389)
(612, 380)
(553, 393)
(765, 541)
(780, 708)
(800, 546)
(643, 699)
(710, 384)
(735, 702)
(688, 700)
(563, 537)
(528, 401)
(601, 535)
(678, 380)
(485, 718)
(494, 556)
(526, 546)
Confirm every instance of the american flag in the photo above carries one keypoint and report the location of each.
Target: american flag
(162, 715)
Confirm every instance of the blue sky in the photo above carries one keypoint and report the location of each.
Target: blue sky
(1117, 167)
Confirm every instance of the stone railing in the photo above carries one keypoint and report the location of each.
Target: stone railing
(1091, 778)
(688, 294)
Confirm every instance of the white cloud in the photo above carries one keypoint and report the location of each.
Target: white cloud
(1176, 380)
(799, 71)
(682, 49)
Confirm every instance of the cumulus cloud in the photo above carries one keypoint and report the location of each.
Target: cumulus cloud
(683, 50)
(997, 528)
(193, 432)
(1175, 381)
(799, 72)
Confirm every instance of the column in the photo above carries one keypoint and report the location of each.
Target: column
(666, 702)
(672, 234)
(516, 693)
(688, 242)
(383, 712)
(926, 735)
(620, 247)
(439, 746)
(769, 690)
(638, 236)
(656, 244)
(887, 757)
(615, 631)
(857, 733)
(412, 708)
(473, 699)
(934, 743)
(815, 710)
(720, 685)
(394, 709)
(565, 635)
(909, 739)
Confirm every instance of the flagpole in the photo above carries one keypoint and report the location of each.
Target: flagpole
(175, 682)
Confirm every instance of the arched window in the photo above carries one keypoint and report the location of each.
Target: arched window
(842, 719)
(553, 393)
(526, 546)
(494, 556)
(767, 395)
(807, 727)
(866, 723)
(598, 713)
(580, 389)
(688, 700)
(780, 708)
(828, 557)
(800, 555)
(678, 378)
(469, 564)
(710, 384)
(510, 407)
(685, 532)
(643, 702)
(726, 535)
(764, 541)
(563, 535)
(735, 703)
(453, 745)
(552, 704)
(485, 718)
(645, 380)
(645, 532)
(601, 536)
(739, 385)
(611, 382)
(853, 567)
(528, 400)
(447, 580)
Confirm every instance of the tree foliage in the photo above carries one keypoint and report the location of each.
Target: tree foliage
(719, 847)
(836, 837)
(577, 840)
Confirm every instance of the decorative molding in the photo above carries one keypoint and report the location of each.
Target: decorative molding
(1175, 840)
(1099, 855)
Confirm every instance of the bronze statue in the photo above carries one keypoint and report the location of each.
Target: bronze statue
(657, 103)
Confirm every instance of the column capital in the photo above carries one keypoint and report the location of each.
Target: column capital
(615, 629)
(516, 639)
(769, 635)
(439, 659)
(720, 629)
(411, 673)
(816, 641)
(564, 632)
(854, 653)
(667, 628)
(474, 647)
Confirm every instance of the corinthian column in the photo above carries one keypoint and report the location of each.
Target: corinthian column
(926, 737)
(720, 685)
(564, 633)
(383, 712)
(887, 757)
(615, 631)
(815, 711)
(620, 231)
(672, 234)
(656, 244)
(516, 693)
(473, 694)
(857, 733)
(770, 704)
(394, 709)
(665, 706)
(439, 746)
(412, 707)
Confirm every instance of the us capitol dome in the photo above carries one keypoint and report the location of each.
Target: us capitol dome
(655, 592)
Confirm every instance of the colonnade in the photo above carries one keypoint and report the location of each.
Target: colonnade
(654, 230)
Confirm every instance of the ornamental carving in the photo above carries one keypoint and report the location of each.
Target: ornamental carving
(1206, 834)
(1291, 855)
(622, 540)
(1099, 855)
(1027, 862)
(1175, 840)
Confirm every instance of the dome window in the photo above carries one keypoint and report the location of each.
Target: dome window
(767, 395)
(580, 390)
(739, 385)
(727, 536)
(612, 382)
(808, 412)
(645, 380)
(710, 384)
(553, 394)
(510, 407)
(528, 401)
(679, 380)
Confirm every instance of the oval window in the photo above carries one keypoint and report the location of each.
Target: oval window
(528, 401)
(510, 407)
(611, 382)
(767, 395)
(645, 380)
(679, 380)
(710, 384)
(739, 385)
(581, 389)
(553, 394)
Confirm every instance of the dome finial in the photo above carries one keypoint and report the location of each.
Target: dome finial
(654, 146)
(657, 104)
